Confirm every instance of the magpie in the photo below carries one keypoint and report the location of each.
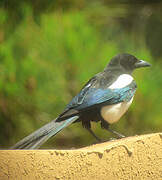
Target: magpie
(105, 98)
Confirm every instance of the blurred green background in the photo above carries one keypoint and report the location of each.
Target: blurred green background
(49, 50)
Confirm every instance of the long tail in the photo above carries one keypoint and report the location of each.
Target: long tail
(37, 138)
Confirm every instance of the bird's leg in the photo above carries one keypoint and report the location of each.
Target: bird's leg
(87, 125)
(116, 133)
(105, 125)
(93, 134)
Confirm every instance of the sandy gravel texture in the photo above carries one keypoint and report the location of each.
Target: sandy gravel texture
(138, 157)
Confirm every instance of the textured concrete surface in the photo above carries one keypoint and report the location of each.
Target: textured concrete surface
(138, 157)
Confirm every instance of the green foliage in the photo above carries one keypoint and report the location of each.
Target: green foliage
(43, 66)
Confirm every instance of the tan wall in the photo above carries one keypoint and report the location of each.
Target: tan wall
(138, 157)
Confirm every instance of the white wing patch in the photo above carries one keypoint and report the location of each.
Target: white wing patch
(112, 113)
(122, 81)
(88, 85)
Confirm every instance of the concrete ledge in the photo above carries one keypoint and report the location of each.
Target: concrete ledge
(138, 157)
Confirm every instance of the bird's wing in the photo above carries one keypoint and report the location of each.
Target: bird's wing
(107, 96)
(90, 96)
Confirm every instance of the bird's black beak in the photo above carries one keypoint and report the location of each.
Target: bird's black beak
(142, 63)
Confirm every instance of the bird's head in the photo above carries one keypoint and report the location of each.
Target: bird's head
(126, 63)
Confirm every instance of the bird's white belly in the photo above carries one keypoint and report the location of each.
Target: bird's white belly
(112, 113)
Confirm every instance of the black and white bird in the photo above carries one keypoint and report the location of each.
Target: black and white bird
(105, 97)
